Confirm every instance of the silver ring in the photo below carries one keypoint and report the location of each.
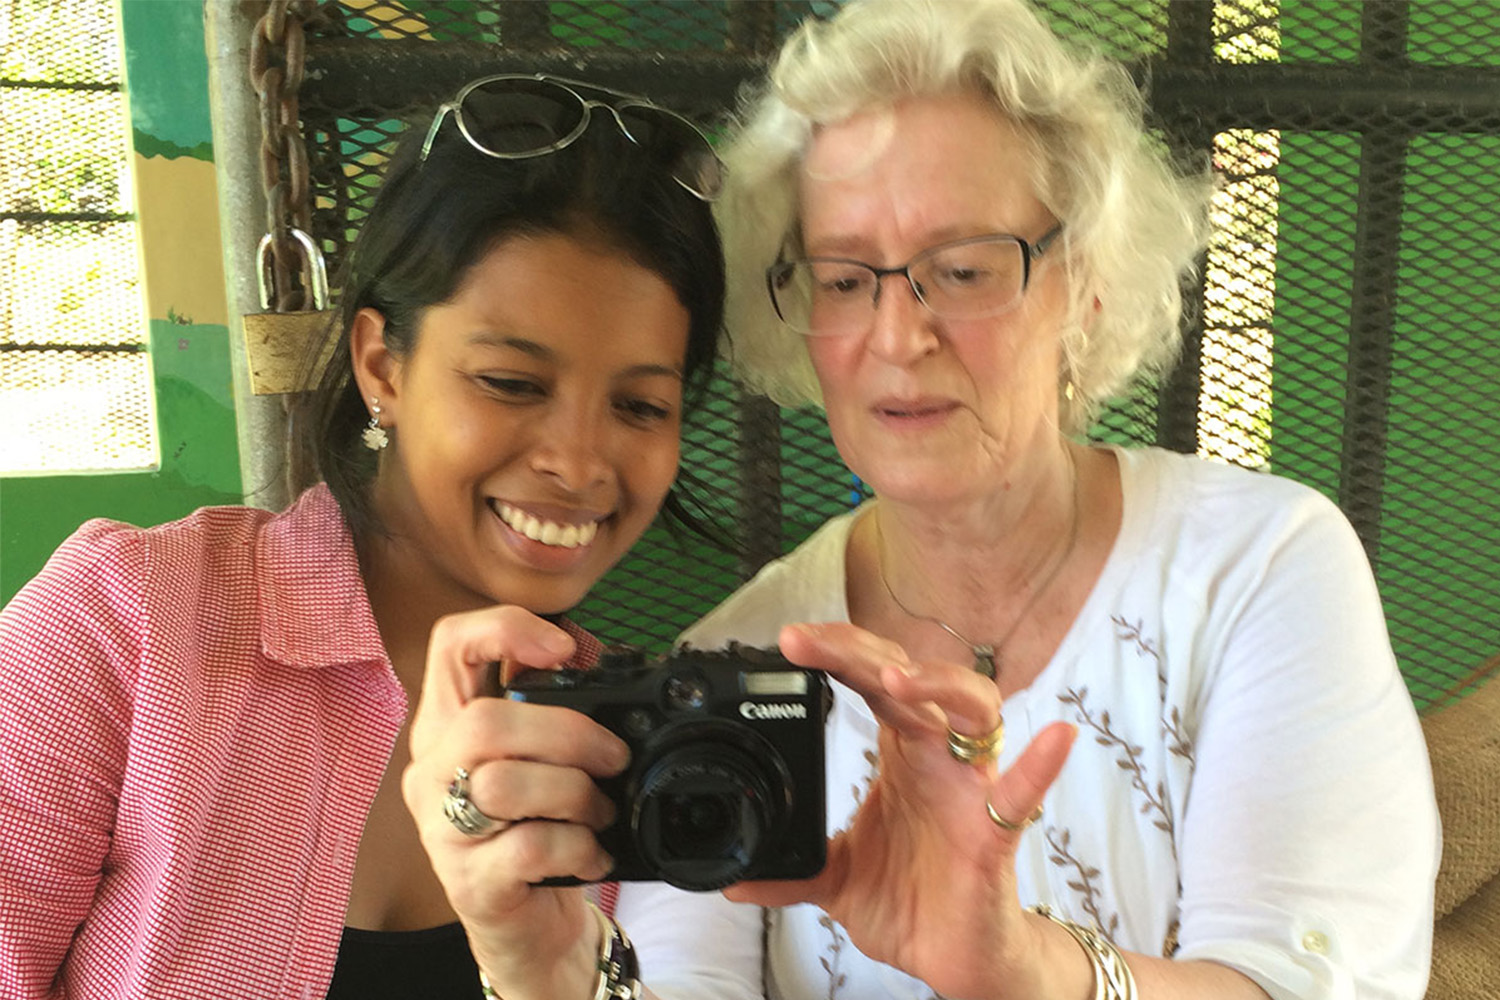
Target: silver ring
(461, 811)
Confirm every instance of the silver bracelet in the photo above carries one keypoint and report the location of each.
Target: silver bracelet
(1112, 977)
(616, 964)
(618, 968)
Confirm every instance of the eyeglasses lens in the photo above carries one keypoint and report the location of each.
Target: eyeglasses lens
(965, 280)
(674, 140)
(519, 117)
(524, 117)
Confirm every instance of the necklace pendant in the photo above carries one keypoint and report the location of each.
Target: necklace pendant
(984, 660)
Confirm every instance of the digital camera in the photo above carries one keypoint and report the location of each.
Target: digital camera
(726, 774)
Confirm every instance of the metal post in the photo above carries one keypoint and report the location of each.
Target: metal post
(1190, 42)
(759, 514)
(261, 420)
(1372, 308)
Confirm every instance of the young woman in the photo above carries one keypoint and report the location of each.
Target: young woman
(204, 725)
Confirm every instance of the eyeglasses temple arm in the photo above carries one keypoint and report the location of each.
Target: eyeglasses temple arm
(432, 130)
(1042, 245)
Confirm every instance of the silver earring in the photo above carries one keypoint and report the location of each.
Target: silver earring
(375, 437)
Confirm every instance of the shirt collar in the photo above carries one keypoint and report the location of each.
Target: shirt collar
(313, 608)
(314, 611)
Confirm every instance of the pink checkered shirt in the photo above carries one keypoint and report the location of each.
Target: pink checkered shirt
(194, 720)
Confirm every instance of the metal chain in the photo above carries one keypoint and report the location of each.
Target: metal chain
(277, 61)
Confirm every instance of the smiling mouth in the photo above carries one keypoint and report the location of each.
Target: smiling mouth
(563, 536)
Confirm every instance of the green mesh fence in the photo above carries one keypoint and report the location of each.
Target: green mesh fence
(1342, 335)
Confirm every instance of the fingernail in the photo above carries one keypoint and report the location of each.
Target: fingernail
(557, 642)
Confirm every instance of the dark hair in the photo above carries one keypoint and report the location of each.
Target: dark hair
(432, 221)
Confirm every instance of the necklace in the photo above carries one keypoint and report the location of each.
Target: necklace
(985, 654)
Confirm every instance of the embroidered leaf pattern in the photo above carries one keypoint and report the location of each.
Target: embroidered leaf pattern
(1171, 721)
(1169, 943)
(832, 953)
(1177, 743)
(1131, 632)
(1059, 841)
(1129, 761)
(872, 761)
(1132, 760)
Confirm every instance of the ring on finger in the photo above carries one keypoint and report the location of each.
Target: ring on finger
(1006, 824)
(977, 749)
(461, 811)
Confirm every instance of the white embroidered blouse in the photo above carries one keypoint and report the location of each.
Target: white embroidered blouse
(1250, 784)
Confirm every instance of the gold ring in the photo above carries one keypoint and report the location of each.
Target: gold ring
(977, 749)
(1006, 824)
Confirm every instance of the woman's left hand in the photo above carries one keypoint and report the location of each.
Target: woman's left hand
(923, 878)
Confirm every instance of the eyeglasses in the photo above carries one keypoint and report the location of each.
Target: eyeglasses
(966, 279)
(513, 116)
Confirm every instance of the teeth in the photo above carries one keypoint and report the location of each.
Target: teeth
(567, 536)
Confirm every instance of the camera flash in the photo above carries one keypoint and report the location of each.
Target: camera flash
(775, 682)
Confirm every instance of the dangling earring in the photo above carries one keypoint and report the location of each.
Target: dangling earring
(375, 437)
(1076, 345)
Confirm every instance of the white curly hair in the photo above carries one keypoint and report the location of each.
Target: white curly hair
(1133, 225)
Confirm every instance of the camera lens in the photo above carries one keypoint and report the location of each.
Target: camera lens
(703, 809)
(698, 824)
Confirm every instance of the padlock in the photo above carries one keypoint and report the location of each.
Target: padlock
(279, 346)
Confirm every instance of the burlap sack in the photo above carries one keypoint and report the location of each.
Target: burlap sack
(1463, 740)
(1466, 948)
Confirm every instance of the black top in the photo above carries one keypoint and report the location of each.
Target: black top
(431, 964)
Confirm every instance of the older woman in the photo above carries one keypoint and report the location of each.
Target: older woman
(953, 233)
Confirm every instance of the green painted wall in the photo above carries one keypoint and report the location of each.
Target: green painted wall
(166, 71)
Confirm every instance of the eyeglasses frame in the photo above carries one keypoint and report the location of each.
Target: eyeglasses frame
(626, 101)
(1030, 252)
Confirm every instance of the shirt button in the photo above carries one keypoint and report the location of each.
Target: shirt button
(1315, 942)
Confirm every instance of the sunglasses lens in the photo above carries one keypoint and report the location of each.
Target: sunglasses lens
(512, 116)
(517, 117)
(672, 140)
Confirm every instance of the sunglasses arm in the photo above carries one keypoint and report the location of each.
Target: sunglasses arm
(432, 130)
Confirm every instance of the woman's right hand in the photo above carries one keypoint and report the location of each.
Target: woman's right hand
(922, 878)
(531, 767)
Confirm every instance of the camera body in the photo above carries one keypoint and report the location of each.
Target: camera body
(726, 774)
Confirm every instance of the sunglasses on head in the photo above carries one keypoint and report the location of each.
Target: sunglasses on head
(514, 116)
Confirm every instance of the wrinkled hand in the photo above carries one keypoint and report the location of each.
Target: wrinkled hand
(922, 879)
(532, 765)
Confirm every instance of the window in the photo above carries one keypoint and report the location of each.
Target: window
(75, 380)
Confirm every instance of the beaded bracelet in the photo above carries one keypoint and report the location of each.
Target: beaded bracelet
(1112, 977)
(617, 965)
